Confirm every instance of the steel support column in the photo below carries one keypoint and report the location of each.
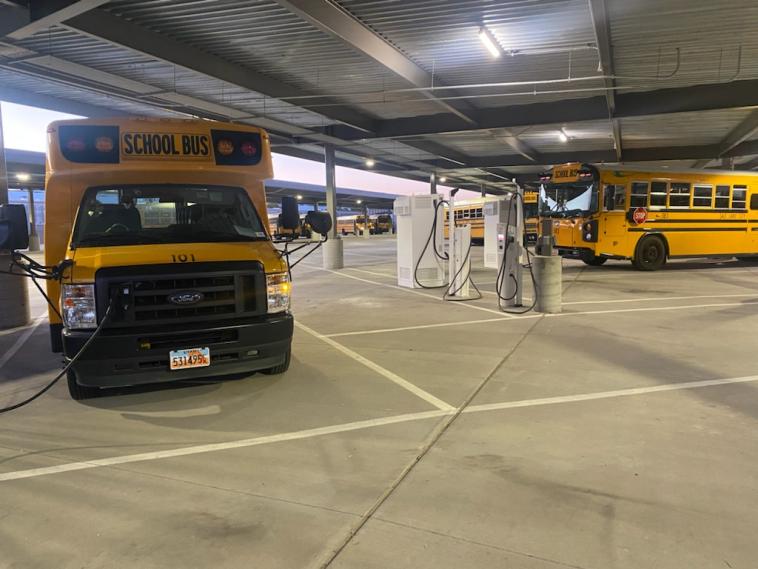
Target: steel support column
(333, 254)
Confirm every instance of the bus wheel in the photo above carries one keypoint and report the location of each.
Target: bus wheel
(650, 254)
(282, 367)
(592, 260)
(79, 392)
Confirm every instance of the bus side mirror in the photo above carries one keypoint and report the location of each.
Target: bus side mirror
(14, 228)
(320, 221)
(290, 215)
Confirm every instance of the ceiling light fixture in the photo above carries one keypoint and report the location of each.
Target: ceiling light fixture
(563, 135)
(359, 201)
(443, 179)
(490, 42)
(299, 197)
(23, 177)
(370, 162)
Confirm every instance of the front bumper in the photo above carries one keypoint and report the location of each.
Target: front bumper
(128, 356)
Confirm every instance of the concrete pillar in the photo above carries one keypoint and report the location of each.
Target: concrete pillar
(33, 236)
(14, 298)
(433, 182)
(547, 275)
(366, 230)
(332, 249)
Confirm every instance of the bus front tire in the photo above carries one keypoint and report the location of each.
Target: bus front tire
(589, 258)
(282, 367)
(650, 254)
(79, 392)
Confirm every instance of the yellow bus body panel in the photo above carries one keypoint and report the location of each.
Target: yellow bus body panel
(66, 182)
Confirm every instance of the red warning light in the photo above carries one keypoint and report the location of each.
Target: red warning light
(248, 148)
(75, 145)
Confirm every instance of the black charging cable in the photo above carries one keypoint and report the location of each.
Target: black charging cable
(67, 367)
(501, 271)
(431, 239)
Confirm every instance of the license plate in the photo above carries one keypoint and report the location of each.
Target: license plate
(193, 357)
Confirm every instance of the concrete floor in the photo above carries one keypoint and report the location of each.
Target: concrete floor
(412, 433)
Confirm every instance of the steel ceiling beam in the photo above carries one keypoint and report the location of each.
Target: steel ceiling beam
(53, 103)
(518, 145)
(20, 22)
(103, 25)
(715, 96)
(123, 33)
(339, 23)
(601, 27)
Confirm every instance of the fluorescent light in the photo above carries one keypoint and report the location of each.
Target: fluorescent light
(443, 179)
(563, 135)
(23, 177)
(358, 201)
(370, 162)
(489, 42)
(299, 197)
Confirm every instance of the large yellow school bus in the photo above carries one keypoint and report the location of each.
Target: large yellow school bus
(531, 221)
(602, 213)
(163, 223)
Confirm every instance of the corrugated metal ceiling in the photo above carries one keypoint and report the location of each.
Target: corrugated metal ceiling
(553, 40)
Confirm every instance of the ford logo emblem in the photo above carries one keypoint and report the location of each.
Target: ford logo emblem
(186, 297)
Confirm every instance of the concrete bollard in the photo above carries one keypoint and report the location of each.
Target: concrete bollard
(548, 276)
(333, 255)
(14, 297)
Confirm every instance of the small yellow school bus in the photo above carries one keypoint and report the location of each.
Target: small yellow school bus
(602, 213)
(164, 226)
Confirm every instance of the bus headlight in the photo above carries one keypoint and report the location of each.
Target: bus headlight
(278, 289)
(78, 303)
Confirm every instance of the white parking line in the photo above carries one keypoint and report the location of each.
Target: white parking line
(393, 377)
(418, 327)
(662, 298)
(18, 344)
(609, 394)
(651, 309)
(358, 425)
(413, 291)
(215, 447)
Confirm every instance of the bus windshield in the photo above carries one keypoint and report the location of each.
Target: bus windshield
(568, 200)
(149, 214)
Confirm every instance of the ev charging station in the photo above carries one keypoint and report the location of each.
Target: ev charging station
(416, 256)
(459, 261)
(503, 245)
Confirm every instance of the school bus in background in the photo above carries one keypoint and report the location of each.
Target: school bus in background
(471, 212)
(354, 224)
(162, 224)
(647, 216)
(531, 221)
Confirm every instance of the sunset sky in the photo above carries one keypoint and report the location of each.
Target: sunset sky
(24, 128)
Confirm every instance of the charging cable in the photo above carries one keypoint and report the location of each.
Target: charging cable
(501, 272)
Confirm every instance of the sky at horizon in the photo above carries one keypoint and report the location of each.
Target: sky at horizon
(24, 128)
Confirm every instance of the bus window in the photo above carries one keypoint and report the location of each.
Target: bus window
(703, 196)
(680, 195)
(615, 197)
(722, 197)
(739, 197)
(639, 195)
(658, 194)
(754, 201)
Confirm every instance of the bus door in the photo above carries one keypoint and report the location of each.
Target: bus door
(613, 226)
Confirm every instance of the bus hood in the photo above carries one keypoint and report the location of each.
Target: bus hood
(567, 232)
(87, 260)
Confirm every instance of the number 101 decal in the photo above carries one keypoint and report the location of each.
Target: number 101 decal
(183, 258)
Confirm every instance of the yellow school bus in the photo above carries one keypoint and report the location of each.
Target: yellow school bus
(531, 221)
(468, 212)
(602, 213)
(164, 226)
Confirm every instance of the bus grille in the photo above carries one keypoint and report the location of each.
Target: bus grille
(170, 294)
